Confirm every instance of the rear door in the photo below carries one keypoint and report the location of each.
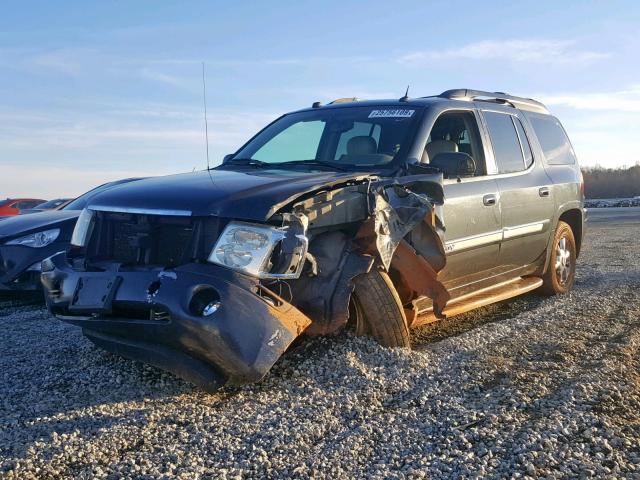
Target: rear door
(526, 196)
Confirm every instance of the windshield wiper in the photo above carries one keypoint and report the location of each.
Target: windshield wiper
(260, 164)
(316, 163)
(246, 161)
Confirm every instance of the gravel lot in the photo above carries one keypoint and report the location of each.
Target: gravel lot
(533, 388)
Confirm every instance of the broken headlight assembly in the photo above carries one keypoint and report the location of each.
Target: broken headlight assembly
(252, 249)
(37, 239)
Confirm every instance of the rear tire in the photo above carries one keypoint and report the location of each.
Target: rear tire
(561, 271)
(378, 309)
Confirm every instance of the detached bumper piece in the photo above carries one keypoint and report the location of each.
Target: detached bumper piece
(203, 323)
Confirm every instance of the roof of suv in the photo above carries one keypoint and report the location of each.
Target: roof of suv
(461, 94)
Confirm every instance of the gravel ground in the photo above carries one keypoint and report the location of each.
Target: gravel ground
(533, 388)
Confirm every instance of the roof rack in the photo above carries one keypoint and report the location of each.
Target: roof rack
(496, 97)
(344, 100)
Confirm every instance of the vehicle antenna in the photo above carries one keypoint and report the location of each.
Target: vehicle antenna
(406, 95)
(206, 125)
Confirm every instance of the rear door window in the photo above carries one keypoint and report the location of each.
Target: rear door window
(553, 139)
(506, 145)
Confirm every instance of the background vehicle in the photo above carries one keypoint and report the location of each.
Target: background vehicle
(50, 205)
(13, 206)
(389, 213)
(26, 240)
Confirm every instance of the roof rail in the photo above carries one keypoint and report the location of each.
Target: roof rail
(496, 97)
(344, 100)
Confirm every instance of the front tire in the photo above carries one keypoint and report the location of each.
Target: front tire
(378, 309)
(561, 271)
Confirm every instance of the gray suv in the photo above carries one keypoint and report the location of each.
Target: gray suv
(383, 215)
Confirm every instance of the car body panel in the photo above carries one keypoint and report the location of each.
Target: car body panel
(250, 194)
(16, 260)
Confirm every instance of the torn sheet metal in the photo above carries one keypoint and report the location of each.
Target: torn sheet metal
(419, 278)
(325, 296)
(397, 211)
(402, 206)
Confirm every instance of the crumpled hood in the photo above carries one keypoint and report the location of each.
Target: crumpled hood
(25, 224)
(249, 195)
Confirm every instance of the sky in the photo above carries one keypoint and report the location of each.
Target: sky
(96, 91)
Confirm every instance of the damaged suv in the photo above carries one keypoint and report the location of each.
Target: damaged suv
(384, 214)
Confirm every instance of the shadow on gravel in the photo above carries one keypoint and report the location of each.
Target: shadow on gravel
(12, 300)
(465, 322)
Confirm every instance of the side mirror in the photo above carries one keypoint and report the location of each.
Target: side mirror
(227, 157)
(455, 164)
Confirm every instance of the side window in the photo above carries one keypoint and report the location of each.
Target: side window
(456, 132)
(298, 142)
(359, 129)
(553, 139)
(506, 146)
(524, 141)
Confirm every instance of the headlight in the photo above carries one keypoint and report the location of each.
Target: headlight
(248, 248)
(38, 239)
(84, 225)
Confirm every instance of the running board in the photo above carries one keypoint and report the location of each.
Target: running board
(481, 298)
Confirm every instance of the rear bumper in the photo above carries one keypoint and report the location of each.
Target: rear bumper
(238, 343)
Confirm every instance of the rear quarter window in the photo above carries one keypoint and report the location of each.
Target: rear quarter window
(553, 139)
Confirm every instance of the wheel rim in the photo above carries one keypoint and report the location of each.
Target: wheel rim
(563, 261)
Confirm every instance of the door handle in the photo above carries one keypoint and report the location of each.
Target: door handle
(490, 200)
(544, 191)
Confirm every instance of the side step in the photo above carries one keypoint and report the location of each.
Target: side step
(486, 296)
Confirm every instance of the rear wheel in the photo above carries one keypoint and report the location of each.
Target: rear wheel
(378, 310)
(561, 271)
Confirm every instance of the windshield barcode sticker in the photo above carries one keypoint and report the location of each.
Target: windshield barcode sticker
(392, 113)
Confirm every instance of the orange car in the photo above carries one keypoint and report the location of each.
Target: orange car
(12, 206)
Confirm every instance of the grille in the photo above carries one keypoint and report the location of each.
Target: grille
(131, 239)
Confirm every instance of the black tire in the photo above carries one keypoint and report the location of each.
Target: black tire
(379, 311)
(561, 270)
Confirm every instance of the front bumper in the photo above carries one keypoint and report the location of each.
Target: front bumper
(238, 343)
(15, 263)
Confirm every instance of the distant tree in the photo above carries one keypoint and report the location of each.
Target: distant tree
(612, 182)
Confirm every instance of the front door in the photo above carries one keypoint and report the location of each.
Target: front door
(471, 208)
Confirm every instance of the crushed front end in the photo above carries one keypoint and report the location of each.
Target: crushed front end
(143, 285)
(215, 300)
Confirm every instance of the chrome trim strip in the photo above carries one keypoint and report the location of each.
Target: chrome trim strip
(141, 211)
(466, 243)
(512, 232)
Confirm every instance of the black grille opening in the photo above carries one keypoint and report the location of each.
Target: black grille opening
(152, 240)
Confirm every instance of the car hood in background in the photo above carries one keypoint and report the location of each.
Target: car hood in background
(25, 224)
(248, 194)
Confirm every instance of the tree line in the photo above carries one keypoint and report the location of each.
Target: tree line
(602, 182)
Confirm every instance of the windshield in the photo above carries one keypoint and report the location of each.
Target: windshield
(350, 136)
